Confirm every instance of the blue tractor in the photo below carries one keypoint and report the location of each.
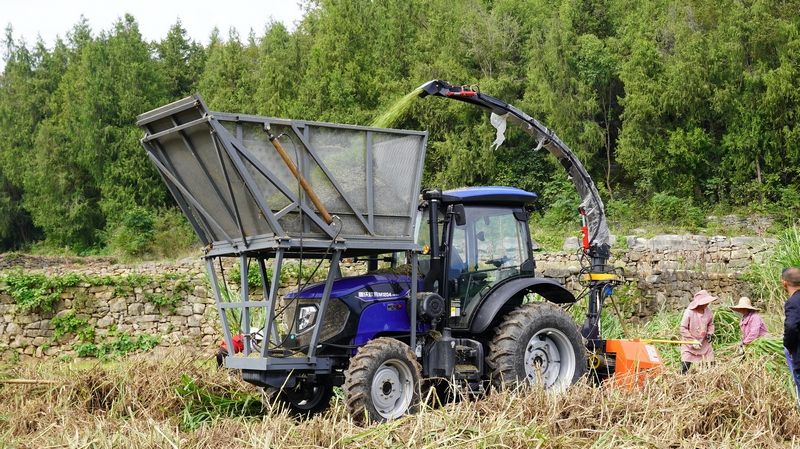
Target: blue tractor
(462, 311)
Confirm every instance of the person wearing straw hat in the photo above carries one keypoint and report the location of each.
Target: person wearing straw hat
(238, 344)
(697, 324)
(752, 325)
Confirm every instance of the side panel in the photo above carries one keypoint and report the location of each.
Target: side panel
(491, 304)
(240, 187)
(390, 316)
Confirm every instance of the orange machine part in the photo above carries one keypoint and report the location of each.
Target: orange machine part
(635, 361)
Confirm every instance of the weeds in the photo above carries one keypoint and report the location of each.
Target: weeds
(67, 324)
(766, 276)
(115, 346)
(202, 407)
(184, 401)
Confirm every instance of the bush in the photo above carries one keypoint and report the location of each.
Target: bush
(789, 205)
(667, 208)
(621, 212)
(560, 202)
(135, 233)
(174, 235)
(164, 234)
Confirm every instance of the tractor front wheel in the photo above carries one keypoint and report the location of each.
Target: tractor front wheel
(537, 344)
(306, 402)
(382, 382)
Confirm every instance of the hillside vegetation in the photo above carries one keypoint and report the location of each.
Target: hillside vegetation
(678, 108)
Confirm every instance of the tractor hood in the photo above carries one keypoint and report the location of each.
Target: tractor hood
(366, 287)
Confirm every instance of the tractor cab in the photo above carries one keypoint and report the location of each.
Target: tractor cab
(485, 240)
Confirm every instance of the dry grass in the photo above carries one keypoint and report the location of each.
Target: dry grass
(137, 403)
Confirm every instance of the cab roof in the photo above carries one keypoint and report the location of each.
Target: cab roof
(508, 196)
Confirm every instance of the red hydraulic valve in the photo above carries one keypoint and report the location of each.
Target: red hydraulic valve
(584, 229)
(461, 93)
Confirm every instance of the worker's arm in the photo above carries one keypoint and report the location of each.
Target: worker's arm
(685, 326)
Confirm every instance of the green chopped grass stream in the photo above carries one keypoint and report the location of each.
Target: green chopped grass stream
(397, 110)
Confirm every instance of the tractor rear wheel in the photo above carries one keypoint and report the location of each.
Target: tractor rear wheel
(537, 344)
(382, 382)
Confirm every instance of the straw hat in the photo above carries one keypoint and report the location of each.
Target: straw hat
(702, 298)
(744, 303)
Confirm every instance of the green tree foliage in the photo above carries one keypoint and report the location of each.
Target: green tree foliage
(28, 81)
(226, 84)
(696, 115)
(85, 166)
(340, 81)
(181, 62)
(671, 102)
(276, 78)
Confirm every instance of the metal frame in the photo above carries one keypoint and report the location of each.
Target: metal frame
(233, 160)
(221, 161)
(264, 360)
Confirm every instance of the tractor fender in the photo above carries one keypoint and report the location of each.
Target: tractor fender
(491, 304)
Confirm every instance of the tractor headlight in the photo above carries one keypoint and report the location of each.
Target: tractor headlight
(306, 317)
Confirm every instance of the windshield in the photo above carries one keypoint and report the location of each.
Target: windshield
(491, 238)
(491, 246)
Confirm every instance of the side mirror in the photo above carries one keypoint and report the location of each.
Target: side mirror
(459, 214)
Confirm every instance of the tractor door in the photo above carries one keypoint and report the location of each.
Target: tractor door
(491, 246)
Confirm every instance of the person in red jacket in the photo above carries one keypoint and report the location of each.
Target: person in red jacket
(238, 345)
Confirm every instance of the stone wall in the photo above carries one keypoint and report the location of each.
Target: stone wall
(108, 309)
(664, 272)
(667, 270)
(114, 310)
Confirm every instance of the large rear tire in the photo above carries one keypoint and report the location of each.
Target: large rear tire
(537, 344)
(382, 382)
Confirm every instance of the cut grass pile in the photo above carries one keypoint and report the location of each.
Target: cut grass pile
(181, 400)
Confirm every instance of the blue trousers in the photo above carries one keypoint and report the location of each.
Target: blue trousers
(795, 373)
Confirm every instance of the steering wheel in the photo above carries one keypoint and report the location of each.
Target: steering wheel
(498, 262)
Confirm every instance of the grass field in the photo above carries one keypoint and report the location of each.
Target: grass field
(180, 400)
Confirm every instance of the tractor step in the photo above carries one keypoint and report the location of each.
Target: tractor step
(466, 372)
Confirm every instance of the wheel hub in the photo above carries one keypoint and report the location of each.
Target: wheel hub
(542, 360)
(391, 389)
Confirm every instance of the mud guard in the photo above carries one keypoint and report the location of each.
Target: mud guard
(491, 304)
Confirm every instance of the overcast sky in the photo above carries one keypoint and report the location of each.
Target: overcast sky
(51, 18)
